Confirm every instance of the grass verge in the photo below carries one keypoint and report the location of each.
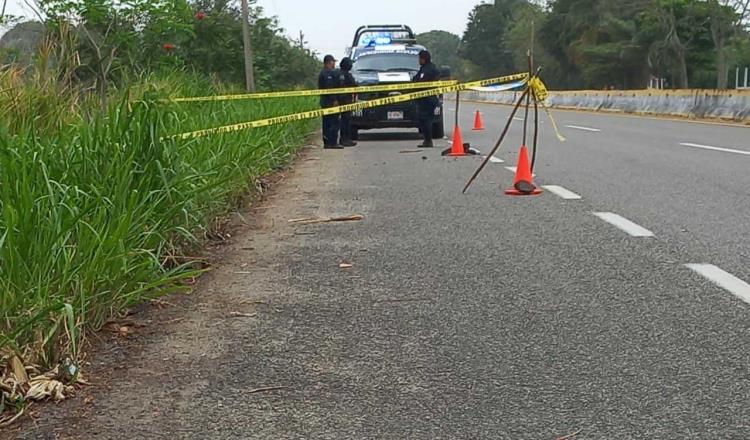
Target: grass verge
(96, 210)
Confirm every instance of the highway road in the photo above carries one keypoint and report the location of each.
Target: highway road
(612, 306)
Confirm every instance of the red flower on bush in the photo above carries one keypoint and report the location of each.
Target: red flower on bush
(168, 47)
(200, 15)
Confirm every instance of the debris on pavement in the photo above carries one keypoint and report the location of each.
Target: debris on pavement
(266, 389)
(346, 266)
(313, 220)
(242, 315)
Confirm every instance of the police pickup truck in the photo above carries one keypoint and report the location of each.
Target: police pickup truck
(388, 54)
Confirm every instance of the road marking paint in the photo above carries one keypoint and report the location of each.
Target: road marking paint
(494, 159)
(578, 127)
(624, 224)
(561, 192)
(723, 279)
(531, 121)
(513, 170)
(708, 147)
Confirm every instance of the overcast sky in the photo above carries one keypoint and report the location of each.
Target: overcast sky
(329, 25)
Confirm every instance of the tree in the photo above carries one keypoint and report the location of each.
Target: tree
(444, 49)
(526, 18)
(595, 42)
(727, 18)
(116, 40)
(677, 31)
(484, 43)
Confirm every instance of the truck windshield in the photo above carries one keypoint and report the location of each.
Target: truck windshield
(386, 62)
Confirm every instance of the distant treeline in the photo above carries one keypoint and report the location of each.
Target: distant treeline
(597, 44)
(111, 42)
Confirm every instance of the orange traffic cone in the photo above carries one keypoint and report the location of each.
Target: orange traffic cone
(457, 148)
(523, 184)
(478, 121)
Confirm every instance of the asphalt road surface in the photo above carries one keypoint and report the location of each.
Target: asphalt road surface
(612, 306)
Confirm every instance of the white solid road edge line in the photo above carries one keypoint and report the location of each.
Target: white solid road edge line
(561, 192)
(578, 127)
(723, 279)
(624, 224)
(708, 147)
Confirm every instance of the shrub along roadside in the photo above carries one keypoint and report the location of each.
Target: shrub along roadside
(94, 211)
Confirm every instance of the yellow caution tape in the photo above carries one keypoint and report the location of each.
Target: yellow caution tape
(538, 87)
(560, 137)
(348, 107)
(539, 91)
(317, 92)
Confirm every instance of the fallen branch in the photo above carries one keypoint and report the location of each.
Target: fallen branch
(254, 302)
(242, 315)
(266, 389)
(570, 435)
(313, 220)
(410, 151)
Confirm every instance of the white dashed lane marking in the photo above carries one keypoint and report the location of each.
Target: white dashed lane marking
(494, 159)
(531, 119)
(561, 192)
(723, 279)
(709, 147)
(624, 224)
(579, 127)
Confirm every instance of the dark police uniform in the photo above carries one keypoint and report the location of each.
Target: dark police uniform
(426, 106)
(329, 79)
(346, 79)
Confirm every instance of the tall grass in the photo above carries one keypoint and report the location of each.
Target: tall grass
(94, 206)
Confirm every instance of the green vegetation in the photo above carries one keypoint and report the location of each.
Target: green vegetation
(98, 207)
(444, 49)
(604, 43)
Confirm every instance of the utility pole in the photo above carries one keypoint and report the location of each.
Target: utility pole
(249, 80)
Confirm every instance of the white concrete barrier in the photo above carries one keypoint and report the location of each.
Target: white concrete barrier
(691, 103)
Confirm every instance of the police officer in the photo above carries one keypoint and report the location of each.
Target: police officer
(329, 79)
(346, 80)
(426, 106)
